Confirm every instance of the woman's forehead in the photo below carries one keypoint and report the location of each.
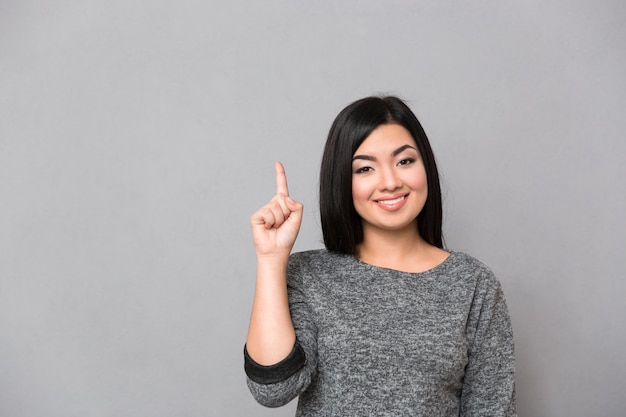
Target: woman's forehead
(387, 139)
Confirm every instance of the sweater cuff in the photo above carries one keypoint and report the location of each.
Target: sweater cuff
(278, 372)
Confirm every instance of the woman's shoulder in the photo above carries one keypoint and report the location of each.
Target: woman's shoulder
(315, 258)
(469, 268)
(465, 260)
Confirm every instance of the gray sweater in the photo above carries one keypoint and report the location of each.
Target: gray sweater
(375, 341)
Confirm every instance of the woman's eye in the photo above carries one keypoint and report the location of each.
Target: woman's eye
(362, 170)
(406, 161)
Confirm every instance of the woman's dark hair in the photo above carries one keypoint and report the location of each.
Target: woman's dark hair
(341, 225)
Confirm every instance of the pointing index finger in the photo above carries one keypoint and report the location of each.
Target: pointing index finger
(281, 180)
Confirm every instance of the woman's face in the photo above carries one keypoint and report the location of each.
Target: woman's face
(389, 185)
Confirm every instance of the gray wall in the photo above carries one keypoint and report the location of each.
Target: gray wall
(136, 138)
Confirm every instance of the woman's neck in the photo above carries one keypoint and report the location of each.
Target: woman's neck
(400, 250)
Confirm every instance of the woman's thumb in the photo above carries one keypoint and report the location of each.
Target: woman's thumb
(296, 208)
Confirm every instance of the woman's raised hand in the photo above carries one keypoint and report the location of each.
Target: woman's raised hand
(275, 226)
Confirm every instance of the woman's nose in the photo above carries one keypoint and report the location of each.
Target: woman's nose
(389, 179)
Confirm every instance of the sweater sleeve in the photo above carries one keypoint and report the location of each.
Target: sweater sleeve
(276, 385)
(264, 374)
(489, 383)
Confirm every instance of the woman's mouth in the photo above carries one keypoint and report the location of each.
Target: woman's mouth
(392, 203)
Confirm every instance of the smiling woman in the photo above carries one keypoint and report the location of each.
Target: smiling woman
(341, 224)
(389, 190)
(385, 321)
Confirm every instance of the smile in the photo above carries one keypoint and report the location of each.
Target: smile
(391, 202)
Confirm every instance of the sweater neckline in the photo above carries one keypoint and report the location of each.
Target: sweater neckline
(436, 269)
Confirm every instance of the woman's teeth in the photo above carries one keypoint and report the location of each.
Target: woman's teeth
(390, 202)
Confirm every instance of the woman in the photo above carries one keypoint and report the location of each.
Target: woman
(384, 321)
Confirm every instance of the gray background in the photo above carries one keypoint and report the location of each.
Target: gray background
(136, 138)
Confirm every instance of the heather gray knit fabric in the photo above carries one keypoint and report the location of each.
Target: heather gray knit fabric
(380, 342)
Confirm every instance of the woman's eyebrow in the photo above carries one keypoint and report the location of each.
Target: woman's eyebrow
(365, 157)
(401, 148)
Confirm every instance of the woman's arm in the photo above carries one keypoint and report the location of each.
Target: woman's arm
(277, 384)
(489, 383)
(275, 227)
(271, 335)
